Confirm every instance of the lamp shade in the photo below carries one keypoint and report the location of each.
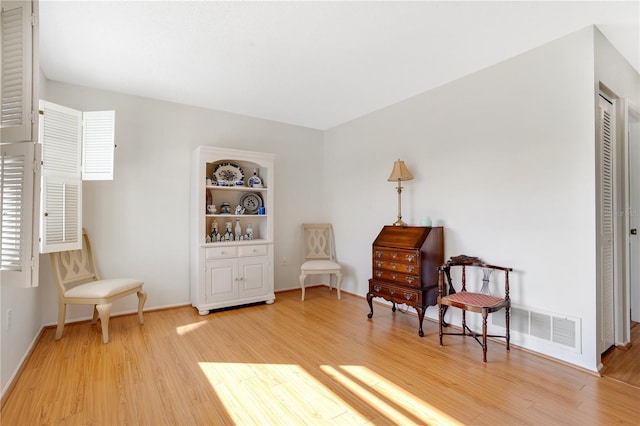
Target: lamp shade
(400, 172)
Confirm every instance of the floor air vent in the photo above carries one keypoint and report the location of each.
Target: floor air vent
(558, 329)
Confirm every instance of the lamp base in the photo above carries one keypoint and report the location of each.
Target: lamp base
(399, 222)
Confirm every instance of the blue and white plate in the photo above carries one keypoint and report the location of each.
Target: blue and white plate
(228, 174)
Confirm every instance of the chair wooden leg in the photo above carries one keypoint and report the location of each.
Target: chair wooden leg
(339, 283)
(62, 314)
(440, 319)
(464, 322)
(484, 336)
(302, 278)
(105, 312)
(94, 320)
(506, 322)
(142, 297)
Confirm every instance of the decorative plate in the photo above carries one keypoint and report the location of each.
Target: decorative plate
(227, 174)
(251, 202)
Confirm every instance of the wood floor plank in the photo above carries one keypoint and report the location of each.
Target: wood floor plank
(320, 361)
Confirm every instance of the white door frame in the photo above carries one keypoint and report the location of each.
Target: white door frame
(631, 292)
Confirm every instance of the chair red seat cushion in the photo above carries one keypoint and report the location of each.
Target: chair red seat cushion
(474, 299)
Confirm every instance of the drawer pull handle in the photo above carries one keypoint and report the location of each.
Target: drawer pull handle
(410, 280)
(410, 257)
(393, 276)
(408, 296)
(394, 265)
(394, 255)
(222, 252)
(378, 253)
(378, 264)
(376, 288)
(410, 268)
(378, 274)
(392, 291)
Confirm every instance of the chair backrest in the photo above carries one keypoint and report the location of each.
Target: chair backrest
(317, 241)
(465, 262)
(74, 267)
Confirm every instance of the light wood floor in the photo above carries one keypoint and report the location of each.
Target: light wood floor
(320, 361)
(624, 363)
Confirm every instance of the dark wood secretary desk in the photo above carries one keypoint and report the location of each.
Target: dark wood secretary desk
(405, 267)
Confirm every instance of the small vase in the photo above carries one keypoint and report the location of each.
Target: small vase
(238, 229)
(255, 181)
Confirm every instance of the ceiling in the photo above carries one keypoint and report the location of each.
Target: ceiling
(313, 64)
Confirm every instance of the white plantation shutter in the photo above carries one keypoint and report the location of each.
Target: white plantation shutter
(98, 145)
(60, 220)
(76, 146)
(19, 177)
(18, 38)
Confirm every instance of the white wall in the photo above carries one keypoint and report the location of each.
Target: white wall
(504, 160)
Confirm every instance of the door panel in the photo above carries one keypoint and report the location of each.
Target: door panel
(253, 271)
(222, 281)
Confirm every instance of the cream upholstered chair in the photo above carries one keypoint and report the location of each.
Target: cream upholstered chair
(319, 254)
(78, 283)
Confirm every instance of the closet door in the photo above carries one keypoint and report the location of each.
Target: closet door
(607, 205)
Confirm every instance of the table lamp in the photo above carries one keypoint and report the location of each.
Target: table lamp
(399, 173)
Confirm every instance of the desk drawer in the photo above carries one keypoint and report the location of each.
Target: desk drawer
(396, 293)
(397, 278)
(405, 268)
(411, 257)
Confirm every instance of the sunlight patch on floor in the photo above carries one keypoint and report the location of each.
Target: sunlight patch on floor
(392, 401)
(184, 329)
(276, 394)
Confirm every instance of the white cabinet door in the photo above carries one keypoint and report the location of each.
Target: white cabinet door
(221, 281)
(253, 276)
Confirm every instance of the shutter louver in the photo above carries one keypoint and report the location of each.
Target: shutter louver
(98, 145)
(12, 171)
(16, 82)
(12, 76)
(18, 202)
(61, 131)
(61, 206)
